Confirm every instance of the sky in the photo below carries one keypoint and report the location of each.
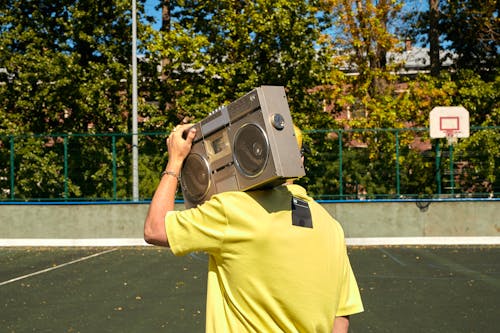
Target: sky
(151, 11)
(410, 5)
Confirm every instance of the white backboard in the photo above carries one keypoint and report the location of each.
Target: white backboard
(449, 121)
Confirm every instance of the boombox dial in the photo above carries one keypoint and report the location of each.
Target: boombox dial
(249, 144)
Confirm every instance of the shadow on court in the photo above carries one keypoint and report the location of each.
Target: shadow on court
(147, 289)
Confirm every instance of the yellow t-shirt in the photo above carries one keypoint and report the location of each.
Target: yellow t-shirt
(265, 273)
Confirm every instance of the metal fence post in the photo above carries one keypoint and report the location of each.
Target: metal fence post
(438, 168)
(341, 183)
(397, 165)
(12, 182)
(66, 191)
(113, 149)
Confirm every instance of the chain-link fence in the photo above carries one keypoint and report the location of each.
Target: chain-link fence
(403, 164)
(343, 164)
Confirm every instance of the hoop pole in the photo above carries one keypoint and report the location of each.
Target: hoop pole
(438, 168)
(452, 176)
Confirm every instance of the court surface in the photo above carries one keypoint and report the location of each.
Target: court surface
(147, 289)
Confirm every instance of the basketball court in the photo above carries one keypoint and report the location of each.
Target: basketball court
(147, 289)
(405, 288)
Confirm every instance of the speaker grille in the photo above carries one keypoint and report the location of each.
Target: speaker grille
(195, 180)
(251, 150)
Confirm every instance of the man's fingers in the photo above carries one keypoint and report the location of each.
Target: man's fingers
(191, 133)
(182, 130)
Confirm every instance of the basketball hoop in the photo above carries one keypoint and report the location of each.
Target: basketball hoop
(451, 137)
(450, 122)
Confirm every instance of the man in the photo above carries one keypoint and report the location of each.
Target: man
(277, 259)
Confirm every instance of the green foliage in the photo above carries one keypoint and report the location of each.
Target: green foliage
(370, 159)
(480, 153)
(481, 162)
(217, 51)
(473, 29)
(364, 38)
(37, 176)
(480, 98)
(65, 72)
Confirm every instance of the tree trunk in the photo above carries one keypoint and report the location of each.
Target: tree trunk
(434, 36)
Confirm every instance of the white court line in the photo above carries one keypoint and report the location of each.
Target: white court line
(55, 267)
(425, 240)
(393, 257)
(58, 242)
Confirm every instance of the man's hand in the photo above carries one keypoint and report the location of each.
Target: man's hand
(178, 146)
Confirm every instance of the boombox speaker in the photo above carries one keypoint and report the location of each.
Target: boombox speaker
(245, 145)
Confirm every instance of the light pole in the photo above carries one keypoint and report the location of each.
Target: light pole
(135, 148)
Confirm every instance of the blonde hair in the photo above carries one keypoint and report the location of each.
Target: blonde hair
(298, 135)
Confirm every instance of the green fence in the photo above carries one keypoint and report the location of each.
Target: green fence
(342, 165)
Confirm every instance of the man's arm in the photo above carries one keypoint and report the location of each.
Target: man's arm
(164, 198)
(341, 324)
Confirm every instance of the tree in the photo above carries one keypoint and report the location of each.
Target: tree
(473, 29)
(64, 73)
(220, 50)
(467, 28)
(480, 152)
(213, 52)
(68, 72)
(363, 38)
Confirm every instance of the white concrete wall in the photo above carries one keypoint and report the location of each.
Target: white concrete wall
(359, 219)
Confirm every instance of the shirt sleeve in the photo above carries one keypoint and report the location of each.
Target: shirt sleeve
(197, 229)
(350, 298)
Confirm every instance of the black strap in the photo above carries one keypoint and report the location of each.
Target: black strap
(301, 214)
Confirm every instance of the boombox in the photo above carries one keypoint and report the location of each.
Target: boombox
(245, 145)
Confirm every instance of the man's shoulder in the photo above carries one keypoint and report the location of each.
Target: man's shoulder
(297, 190)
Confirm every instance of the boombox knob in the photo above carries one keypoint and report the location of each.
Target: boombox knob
(278, 121)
